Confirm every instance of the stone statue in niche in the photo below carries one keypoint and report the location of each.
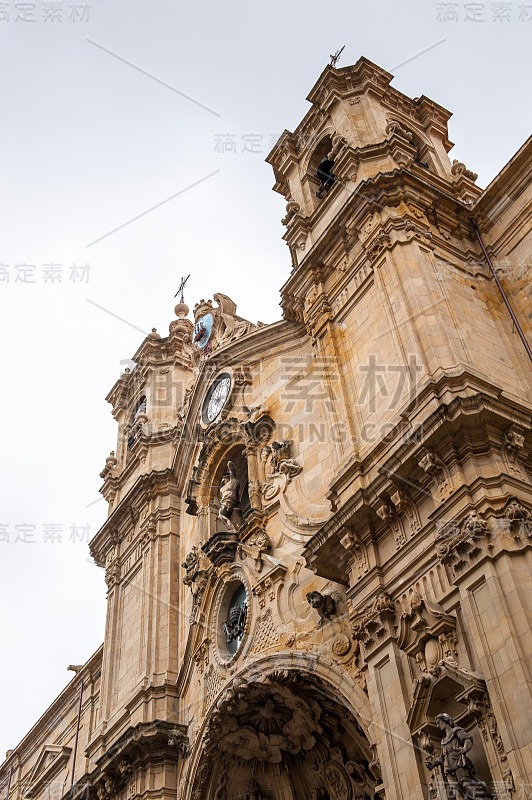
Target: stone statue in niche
(254, 792)
(324, 605)
(458, 769)
(229, 496)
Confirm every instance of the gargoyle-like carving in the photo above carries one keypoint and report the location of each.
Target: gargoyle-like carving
(324, 604)
(124, 768)
(279, 466)
(474, 525)
(281, 460)
(512, 445)
(458, 769)
(196, 574)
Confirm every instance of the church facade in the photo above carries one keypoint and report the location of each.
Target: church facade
(319, 539)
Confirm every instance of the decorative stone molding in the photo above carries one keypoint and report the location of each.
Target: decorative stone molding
(51, 760)
(404, 503)
(201, 655)
(256, 545)
(112, 573)
(351, 542)
(110, 464)
(221, 548)
(512, 447)
(520, 519)
(427, 633)
(155, 740)
(387, 512)
(279, 468)
(393, 126)
(374, 624)
(436, 468)
(461, 544)
(292, 208)
(458, 169)
(268, 585)
(338, 143)
(378, 245)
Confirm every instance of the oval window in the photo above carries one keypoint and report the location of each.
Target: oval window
(235, 624)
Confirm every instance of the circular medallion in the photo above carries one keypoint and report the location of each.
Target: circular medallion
(341, 645)
(202, 331)
(337, 781)
(216, 397)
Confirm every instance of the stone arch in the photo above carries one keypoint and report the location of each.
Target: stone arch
(296, 724)
(225, 438)
(320, 148)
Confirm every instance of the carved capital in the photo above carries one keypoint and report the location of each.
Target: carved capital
(374, 624)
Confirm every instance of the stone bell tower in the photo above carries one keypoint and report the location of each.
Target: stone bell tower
(319, 537)
(430, 413)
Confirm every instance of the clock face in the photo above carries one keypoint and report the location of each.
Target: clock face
(202, 331)
(216, 397)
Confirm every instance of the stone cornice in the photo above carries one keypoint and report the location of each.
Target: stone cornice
(358, 510)
(147, 486)
(390, 189)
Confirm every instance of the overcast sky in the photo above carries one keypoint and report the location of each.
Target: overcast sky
(108, 110)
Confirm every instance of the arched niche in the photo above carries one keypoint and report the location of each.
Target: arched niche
(463, 695)
(291, 732)
(310, 181)
(236, 442)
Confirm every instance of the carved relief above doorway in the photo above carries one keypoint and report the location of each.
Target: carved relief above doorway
(283, 736)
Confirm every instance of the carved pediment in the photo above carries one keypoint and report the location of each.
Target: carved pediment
(51, 760)
(450, 689)
(427, 633)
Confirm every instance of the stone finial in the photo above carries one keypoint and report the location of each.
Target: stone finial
(181, 310)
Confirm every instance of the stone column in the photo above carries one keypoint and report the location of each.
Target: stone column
(493, 575)
(400, 761)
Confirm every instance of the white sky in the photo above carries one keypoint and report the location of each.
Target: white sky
(88, 142)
